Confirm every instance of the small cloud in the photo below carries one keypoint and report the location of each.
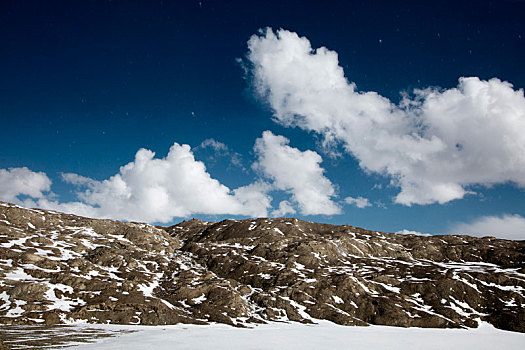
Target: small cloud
(77, 180)
(222, 150)
(380, 204)
(215, 145)
(408, 232)
(285, 208)
(236, 159)
(506, 226)
(360, 202)
(18, 182)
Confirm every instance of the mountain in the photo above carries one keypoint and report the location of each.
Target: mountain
(60, 268)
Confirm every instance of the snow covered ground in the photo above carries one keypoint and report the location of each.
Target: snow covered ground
(324, 335)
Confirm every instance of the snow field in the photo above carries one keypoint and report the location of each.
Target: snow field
(288, 336)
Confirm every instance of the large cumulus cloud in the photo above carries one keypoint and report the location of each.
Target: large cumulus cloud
(433, 145)
(146, 189)
(160, 189)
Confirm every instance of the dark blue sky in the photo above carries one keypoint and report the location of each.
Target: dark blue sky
(85, 84)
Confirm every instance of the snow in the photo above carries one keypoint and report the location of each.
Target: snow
(199, 300)
(301, 309)
(278, 231)
(388, 287)
(63, 303)
(19, 275)
(518, 289)
(17, 311)
(324, 335)
(120, 238)
(4, 298)
(337, 299)
(168, 304)
(234, 245)
(298, 266)
(18, 242)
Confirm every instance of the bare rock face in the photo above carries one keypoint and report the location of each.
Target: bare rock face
(302, 271)
(59, 268)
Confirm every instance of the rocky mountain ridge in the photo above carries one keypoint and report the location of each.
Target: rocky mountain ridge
(59, 268)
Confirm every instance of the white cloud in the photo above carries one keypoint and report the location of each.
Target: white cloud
(433, 145)
(505, 226)
(408, 232)
(157, 190)
(77, 208)
(297, 172)
(284, 209)
(360, 202)
(16, 182)
(76, 179)
(222, 150)
(217, 146)
(147, 189)
(160, 189)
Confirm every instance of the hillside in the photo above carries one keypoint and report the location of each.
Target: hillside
(59, 268)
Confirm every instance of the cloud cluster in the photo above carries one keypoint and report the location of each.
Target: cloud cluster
(434, 144)
(147, 189)
(359, 202)
(159, 189)
(505, 226)
(16, 182)
(416, 233)
(296, 172)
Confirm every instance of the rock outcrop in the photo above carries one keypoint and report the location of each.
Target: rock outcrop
(60, 268)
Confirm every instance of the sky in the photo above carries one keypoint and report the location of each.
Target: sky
(393, 116)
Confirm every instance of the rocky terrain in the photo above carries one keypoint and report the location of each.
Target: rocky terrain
(58, 268)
